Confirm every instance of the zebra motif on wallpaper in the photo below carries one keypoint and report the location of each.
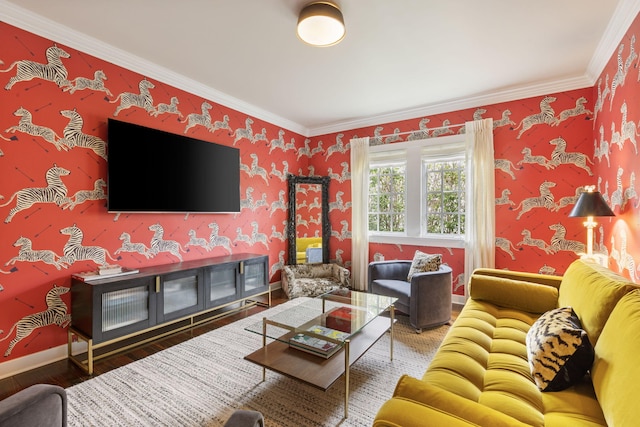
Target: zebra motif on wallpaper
(55, 314)
(505, 165)
(344, 232)
(602, 149)
(194, 240)
(629, 130)
(244, 133)
(545, 200)
(81, 83)
(547, 115)
(573, 112)
(560, 157)
(277, 266)
(394, 137)
(506, 246)
(142, 100)
(531, 159)
(53, 71)
(630, 192)
(504, 198)
(55, 192)
(216, 240)
(222, 124)
(339, 204)
(250, 203)
(282, 176)
(74, 137)
(255, 237)
(569, 200)
(129, 246)
(338, 147)
(618, 193)
(203, 119)
(622, 69)
(158, 244)
(27, 254)
(82, 196)
(505, 120)
(306, 150)
(255, 168)
(445, 129)
(343, 176)
(624, 259)
(602, 95)
(527, 240)
(262, 136)
(279, 143)
(25, 125)
(171, 108)
(74, 250)
(279, 204)
(616, 139)
(559, 243)
(422, 132)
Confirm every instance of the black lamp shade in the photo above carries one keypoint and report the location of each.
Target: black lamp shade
(591, 204)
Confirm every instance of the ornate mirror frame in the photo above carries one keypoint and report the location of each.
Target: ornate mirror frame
(291, 223)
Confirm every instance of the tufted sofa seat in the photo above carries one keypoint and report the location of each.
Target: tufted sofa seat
(481, 376)
(311, 280)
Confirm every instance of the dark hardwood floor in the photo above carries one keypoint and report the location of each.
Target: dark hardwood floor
(66, 374)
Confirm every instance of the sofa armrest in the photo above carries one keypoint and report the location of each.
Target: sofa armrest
(541, 279)
(38, 405)
(343, 275)
(517, 294)
(432, 405)
(389, 270)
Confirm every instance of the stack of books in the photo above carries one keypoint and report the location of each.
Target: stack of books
(345, 319)
(318, 346)
(103, 272)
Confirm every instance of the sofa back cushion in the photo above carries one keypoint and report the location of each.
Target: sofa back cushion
(517, 294)
(593, 291)
(616, 370)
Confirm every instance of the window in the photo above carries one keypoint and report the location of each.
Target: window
(417, 192)
(444, 184)
(387, 195)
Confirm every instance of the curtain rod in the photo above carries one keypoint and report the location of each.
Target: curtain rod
(419, 130)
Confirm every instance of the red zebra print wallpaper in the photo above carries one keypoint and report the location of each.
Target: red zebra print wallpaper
(53, 114)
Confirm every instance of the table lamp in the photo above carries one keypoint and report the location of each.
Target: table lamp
(590, 204)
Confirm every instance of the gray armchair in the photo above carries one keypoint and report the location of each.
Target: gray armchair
(426, 299)
(40, 405)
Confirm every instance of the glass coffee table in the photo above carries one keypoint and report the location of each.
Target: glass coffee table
(318, 340)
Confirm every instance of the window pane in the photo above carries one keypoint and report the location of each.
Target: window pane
(445, 197)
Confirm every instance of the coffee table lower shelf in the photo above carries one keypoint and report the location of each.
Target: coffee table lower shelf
(317, 371)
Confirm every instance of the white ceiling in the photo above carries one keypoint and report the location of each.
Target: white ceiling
(399, 59)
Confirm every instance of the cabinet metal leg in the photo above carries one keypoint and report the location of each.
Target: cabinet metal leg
(346, 378)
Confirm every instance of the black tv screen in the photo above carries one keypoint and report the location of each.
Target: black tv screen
(149, 170)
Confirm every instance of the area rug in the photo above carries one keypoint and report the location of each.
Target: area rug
(202, 381)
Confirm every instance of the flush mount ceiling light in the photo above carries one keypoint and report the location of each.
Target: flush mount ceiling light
(321, 24)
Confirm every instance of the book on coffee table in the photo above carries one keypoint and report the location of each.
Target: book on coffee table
(318, 346)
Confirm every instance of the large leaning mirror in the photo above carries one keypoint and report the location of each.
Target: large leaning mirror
(308, 228)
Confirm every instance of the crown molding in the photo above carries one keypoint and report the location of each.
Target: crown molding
(458, 104)
(37, 24)
(626, 11)
(622, 18)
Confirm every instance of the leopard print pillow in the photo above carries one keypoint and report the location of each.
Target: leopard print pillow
(558, 349)
(424, 262)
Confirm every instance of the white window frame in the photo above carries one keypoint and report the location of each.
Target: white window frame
(414, 152)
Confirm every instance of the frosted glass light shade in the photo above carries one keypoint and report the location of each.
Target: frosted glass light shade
(321, 24)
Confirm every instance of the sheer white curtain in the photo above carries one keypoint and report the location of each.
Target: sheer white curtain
(359, 207)
(480, 234)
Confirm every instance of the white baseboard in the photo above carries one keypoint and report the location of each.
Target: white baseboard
(55, 354)
(32, 361)
(458, 299)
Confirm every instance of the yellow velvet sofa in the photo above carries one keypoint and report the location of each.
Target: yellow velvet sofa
(480, 375)
(302, 243)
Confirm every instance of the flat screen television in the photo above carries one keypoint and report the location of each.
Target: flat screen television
(149, 170)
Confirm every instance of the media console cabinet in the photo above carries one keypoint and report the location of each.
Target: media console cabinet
(118, 312)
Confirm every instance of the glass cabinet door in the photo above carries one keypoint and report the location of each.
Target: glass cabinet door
(181, 294)
(124, 307)
(255, 276)
(223, 282)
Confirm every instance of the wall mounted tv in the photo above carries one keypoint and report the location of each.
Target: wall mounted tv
(149, 170)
